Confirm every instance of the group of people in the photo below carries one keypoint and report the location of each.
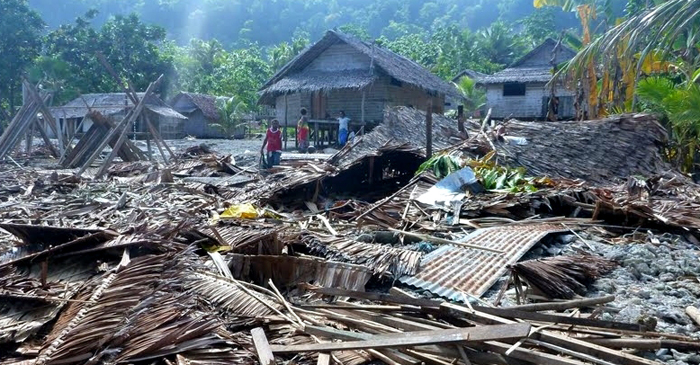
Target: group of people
(273, 137)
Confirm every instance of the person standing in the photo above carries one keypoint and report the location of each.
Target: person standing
(343, 123)
(303, 131)
(273, 140)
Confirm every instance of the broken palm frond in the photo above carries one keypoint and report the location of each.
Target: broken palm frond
(562, 277)
(97, 322)
(228, 296)
(386, 260)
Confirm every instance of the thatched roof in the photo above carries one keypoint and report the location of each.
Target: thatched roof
(597, 151)
(111, 104)
(205, 103)
(534, 66)
(474, 75)
(292, 78)
(403, 128)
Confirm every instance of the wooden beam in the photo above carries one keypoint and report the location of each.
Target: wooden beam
(375, 296)
(128, 119)
(262, 347)
(551, 318)
(324, 359)
(558, 306)
(408, 339)
(460, 118)
(47, 117)
(613, 356)
(429, 129)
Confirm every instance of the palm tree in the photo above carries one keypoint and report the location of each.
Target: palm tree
(642, 42)
(680, 104)
(474, 97)
(230, 113)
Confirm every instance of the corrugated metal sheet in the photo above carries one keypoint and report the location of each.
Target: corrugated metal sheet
(451, 270)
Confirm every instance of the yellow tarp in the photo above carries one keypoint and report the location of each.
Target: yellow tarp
(244, 211)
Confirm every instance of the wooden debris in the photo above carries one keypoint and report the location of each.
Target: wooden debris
(481, 333)
(262, 347)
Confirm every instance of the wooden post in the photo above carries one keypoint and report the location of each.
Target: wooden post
(286, 120)
(262, 347)
(148, 142)
(362, 108)
(429, 130)
(460, 118)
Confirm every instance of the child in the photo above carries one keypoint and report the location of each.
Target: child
(273, 140)
(303, 131)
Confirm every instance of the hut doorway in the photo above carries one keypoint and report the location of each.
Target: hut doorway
(319, 100)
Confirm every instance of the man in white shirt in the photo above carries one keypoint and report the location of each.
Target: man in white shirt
(343, 123)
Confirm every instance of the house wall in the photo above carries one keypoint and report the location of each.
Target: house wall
(528, 106)
(197, 125)
(340, 57)
(378, 96)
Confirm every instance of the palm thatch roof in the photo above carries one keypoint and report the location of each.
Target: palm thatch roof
(534, 66)
(205, 103)
(403, 129)
(474, 75)
(111, 104)
(597, 151)
(292, 77)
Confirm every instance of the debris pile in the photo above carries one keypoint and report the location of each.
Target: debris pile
(199, 260)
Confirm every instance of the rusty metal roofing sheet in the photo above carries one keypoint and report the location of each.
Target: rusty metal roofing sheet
(451, 270)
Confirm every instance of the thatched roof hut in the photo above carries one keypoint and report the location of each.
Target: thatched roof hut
(202, 114)
(519, 91)
(117, 105)
(341, 72)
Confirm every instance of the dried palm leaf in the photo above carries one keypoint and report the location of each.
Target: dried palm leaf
(562, 276)
(228, 296)
(98, 319)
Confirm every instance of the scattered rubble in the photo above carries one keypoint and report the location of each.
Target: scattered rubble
(334, 258)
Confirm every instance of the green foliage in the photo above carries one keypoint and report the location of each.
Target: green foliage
(130, 47)
(230, 114)
(20, 43)
(680, 103)
(441, 165)
(475, 97)
(494, 177)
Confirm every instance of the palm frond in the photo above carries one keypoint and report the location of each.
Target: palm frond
(227, 295)
(96, 320)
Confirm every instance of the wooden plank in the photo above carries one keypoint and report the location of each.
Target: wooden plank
(523, 354)
(429, 129)
(50, 121)
(262, 347)
(408, 339)
(324, 359)
(563, 305)
(374, 296)
(551, 318)
(584, 347)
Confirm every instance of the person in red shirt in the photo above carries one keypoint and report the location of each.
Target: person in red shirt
(273, 140)
(303, 131)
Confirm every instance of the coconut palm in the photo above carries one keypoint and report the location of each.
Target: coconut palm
(474, 97)
(680, 104)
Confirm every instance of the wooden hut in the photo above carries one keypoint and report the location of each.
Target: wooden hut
(202, 114)
(341, 72)
(520, 90)
(71, 117)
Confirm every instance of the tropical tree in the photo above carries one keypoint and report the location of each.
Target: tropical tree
(680, 105)
(230, 114)
(20, 43)
(474, 97)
